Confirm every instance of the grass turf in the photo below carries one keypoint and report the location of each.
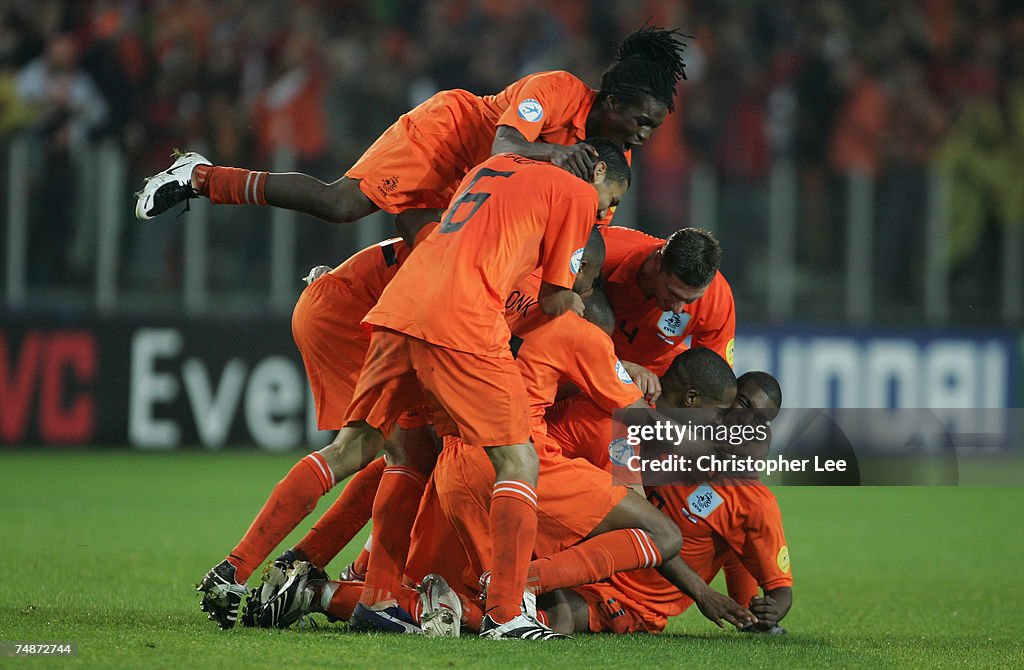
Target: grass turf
(102, 548)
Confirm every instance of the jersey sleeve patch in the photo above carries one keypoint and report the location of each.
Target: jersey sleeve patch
(530, 110)
(576, 261)
(620, 371)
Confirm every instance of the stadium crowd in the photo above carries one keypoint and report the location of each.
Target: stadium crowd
(838, 86)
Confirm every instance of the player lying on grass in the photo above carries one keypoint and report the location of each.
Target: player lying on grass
(716, 517)
(588, 527)
(418, 162)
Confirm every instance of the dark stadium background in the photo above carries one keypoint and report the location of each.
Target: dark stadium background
(859, 162)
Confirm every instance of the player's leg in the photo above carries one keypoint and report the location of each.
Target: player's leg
(486, 399)
(633, 535)
(513, 527)
(394, 511)
(192, 175)
(343, 519)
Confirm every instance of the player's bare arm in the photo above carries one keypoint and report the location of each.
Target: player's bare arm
(771, 608)
(645, 380)
(715, 606)
(579, 159)
(556, 300)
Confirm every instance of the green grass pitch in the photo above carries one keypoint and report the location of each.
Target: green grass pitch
(103, 549)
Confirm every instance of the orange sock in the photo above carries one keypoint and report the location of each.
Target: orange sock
(344, 518)
(472, 615)
(362, 561)
(347, 594)
(230, 186)
(394, 511)
(593, 560)
(741, 584)
(291, 501)
(513, 525)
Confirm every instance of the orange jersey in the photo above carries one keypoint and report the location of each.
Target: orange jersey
(551, 351)
(583, 429)
(512, 216)
(647, 335)
(421, 158)
(741, 516)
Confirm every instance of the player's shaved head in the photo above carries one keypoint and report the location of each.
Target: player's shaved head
(702, 372)
(692, 255)
(759, 390)
(598, 311)
(616, 166)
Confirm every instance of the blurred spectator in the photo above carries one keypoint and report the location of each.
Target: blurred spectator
(67, 107)
(887, 89)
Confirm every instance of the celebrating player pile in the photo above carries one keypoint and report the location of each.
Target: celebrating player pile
(466, 332)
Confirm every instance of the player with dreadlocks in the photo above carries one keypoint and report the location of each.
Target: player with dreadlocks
(414, 167)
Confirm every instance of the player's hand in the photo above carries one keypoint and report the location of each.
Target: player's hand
(315, 274)
(560, 302)
(718, 607)
(766, 610)
(645, 380)
(578, 159)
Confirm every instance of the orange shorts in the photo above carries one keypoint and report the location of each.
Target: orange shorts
(333, 344)
(420, 159)
(573, 497)
(325, 325)
(483, 397)
(609, 611)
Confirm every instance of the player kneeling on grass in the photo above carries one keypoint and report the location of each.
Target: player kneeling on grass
(716, 518)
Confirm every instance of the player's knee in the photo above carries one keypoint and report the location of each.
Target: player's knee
(515, 461)
(351, 451)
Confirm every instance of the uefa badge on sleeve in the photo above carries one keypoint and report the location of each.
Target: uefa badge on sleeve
(530, 110)
(576, 261)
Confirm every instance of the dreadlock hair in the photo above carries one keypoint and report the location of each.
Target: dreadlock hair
(598, 311)
(649, 62)
(617, 167)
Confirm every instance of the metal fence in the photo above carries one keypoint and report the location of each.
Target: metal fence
(248, 261)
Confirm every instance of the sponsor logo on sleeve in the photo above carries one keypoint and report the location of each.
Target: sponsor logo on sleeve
(703, 501)
(576, 260)
(530, 110)
(783, 558)
(729, 350)
(620, 371)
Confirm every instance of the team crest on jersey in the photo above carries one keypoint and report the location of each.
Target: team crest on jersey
(620, 371)
(530, 110)
(576, 261)
(672, 325)
(620, 451)
(703, 501)
(783, 558)
(388, 185)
